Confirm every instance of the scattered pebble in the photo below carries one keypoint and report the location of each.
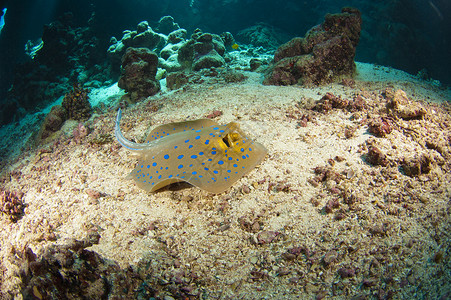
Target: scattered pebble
(376, 157)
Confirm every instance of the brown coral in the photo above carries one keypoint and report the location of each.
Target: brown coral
(76, 103)
(12, 205)
(52, 122)
(139, 68)
(380, 127)
(325, 54)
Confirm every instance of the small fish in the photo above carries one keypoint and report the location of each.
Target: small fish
(235, 46)
(201, 152)
(2, 19)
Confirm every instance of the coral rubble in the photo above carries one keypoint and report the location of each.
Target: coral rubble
(12, 205)
(139, 67)
(325, 53)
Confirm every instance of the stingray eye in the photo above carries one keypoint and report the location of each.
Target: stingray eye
(234, 136)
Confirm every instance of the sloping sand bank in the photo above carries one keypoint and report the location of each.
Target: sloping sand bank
(314, 219)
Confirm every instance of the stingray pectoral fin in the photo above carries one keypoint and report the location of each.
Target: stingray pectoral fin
(151, 187)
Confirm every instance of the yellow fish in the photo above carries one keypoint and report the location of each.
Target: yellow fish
(201, 152)
(235, 46)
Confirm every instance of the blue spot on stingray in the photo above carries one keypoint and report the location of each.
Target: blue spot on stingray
(198, 130)
(207, 142)
(197, 137)
(242, 149)
(193, 156)
(166, 156)
(230, 158)
(170, 176)
(235, 165)
(216, 172)
(222, 130)
(142, 166)
(228, 171)
(186, 141)
(190, 146)
(159, 177)
(180, 156)
(213, 152)
(220, 162)
(181, 166)
(194, 173)
(206, 169)
(148, 166)
(244, 156)
(175, 147)
(200, 176)
(250, 149)
(215, 128)
(201, 153)
(209, 159)
(190, 165)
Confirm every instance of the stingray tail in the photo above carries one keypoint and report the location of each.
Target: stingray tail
(122, 140)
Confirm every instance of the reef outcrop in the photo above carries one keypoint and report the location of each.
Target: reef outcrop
(66, 54)
(176, 52)
(324, 55)
(202, 51)
(139, 68)
(142, 37)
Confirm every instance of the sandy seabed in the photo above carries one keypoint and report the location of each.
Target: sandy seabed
(314, 220)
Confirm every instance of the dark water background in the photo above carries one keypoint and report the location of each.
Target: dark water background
(406, 34)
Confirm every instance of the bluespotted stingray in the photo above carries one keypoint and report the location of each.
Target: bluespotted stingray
(201, 152)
